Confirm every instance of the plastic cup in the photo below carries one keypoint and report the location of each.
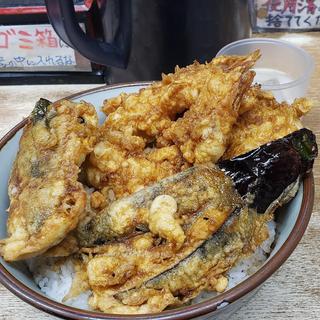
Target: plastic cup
(284, 69)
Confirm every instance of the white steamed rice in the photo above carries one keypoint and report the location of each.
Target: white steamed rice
(56, 283)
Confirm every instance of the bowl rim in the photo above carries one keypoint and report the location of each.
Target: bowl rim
(58, 309)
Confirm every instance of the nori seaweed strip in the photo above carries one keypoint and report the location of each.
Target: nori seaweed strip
(40, 110)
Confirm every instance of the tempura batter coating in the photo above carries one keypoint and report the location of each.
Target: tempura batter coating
(114, 170)
(162, 208)
(46, 200)
(206, 97)
(198, 202)
(264, 120)
(203, 131)
(203, 269)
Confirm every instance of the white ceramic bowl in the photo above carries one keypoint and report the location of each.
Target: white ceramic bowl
(292, 222)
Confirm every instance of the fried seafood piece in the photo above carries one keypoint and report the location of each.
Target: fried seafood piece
(206, 97)
(202, 198)
(263, 119)
(204, 269)
(65, 248)
(46, 200)
(203, 131)
(123, 265)
(166, 208)
(122, 174)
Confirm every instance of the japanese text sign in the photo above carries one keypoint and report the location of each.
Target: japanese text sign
(35, 47)
(287, 14)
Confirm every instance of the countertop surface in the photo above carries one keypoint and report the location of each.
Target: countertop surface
(293, 292)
